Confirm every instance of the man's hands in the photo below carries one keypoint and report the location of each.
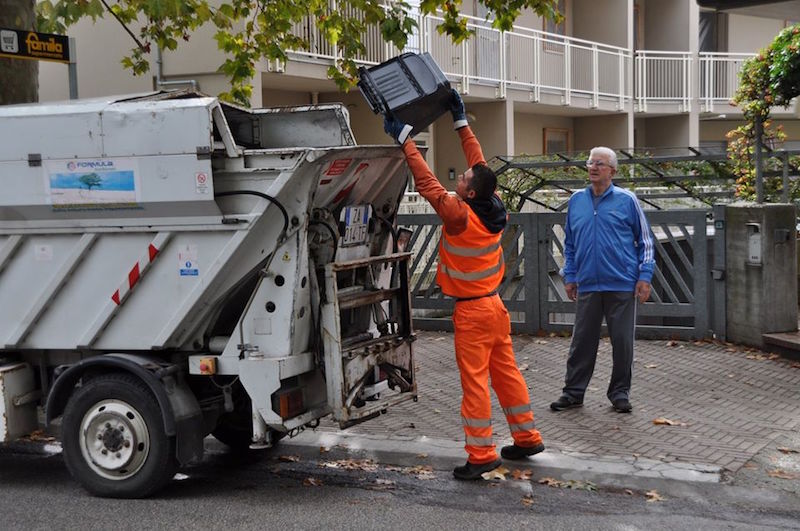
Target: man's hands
(572, 291)
(642, 291)
(396, 129)
(457, 110)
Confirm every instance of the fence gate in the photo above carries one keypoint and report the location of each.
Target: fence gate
(533, 290)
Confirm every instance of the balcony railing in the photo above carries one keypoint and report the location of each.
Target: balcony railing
(719, 77)
(544, 63)
(523, 59)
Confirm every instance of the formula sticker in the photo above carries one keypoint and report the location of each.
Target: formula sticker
(92, 183)
(187, 261)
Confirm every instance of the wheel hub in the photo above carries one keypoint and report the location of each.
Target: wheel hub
(115, 439)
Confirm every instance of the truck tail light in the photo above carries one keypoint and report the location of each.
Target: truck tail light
(288, 403)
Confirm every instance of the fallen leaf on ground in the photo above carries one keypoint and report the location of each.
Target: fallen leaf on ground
(672, 343)
(783, 474)
(521, 474)
(312, 482)
(422, 456)
(540, 342)
(527, 500)
(650, 365)
(352, 464)
(436, 411)
(550, 482)
(289, 458)
(653, 496)
(324, 449)
(731, 350)
(661, 421)
(498, 473)
(788, 450)
(629, 492)
(523, 367)
(423, 472)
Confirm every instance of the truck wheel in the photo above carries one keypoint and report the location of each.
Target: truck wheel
(113, 438)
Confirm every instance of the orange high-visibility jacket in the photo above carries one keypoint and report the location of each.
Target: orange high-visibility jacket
(470, 256)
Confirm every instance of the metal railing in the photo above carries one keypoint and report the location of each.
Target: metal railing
(541, 62)
(663, 77)
(719, 77)
(524, 59)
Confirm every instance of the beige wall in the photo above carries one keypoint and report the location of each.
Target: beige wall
(666, 25)
(603, 21)
(610, 131)
(529, 131)
(666, 131)
(716, 129)
(750, 34)
(100, 47)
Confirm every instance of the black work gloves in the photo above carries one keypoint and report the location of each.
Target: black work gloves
(457, 110)
(396, 129)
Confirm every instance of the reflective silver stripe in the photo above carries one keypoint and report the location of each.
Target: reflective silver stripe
(516, 410)
(469, 251)
(525, 426)
(475, 275)
(479, 441)
(476, 423)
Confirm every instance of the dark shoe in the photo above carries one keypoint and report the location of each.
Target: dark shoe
(514, 452)
(565, 402)
(472, 471)
(622, 405)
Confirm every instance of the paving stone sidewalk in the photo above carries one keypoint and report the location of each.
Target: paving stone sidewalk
(727, 403)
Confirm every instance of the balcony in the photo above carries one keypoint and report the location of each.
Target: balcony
(548, 68)
(539, 67)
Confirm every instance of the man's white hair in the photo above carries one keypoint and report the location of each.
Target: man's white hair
(608, 152)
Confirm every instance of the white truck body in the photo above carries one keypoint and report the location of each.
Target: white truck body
(241, 263)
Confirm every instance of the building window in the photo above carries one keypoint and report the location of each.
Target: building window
(560, 28)
(555, 140)
(555, 44)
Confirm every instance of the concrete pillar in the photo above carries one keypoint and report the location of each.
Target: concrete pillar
(760, 271)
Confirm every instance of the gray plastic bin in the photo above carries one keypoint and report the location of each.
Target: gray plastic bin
(409, 87)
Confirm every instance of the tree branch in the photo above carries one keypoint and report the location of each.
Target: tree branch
(138, 43)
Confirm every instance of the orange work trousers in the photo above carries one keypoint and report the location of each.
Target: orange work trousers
(483, 350)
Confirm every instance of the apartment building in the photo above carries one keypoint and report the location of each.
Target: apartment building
(621, 73)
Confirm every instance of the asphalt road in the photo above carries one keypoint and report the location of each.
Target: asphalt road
(337, 489)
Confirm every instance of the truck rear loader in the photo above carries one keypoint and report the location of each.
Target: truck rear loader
(172, 266)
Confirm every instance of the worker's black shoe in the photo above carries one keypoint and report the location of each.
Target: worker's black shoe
(472, 471)
(565, 402)
(622, 405)
(514, 452)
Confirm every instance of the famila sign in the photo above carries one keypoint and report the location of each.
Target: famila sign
(20, 44)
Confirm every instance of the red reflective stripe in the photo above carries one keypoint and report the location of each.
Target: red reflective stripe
(115, 297)
(133, 276)
(152, 251)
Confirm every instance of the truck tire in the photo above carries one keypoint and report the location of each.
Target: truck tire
(113, 438)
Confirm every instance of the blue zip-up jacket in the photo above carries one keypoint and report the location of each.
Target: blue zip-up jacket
(610, 248)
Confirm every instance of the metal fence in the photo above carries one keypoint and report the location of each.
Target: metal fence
(533, 290)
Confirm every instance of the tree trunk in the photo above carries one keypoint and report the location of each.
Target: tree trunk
(20, 76)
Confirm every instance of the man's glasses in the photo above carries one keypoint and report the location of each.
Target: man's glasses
(597, 163)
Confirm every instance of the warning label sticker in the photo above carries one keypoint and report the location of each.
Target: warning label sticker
(201, 182)
(338, 167)
(187, 261)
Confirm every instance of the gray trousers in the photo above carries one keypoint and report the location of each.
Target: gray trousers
(619, 310)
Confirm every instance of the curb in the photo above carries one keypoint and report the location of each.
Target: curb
(443, 454)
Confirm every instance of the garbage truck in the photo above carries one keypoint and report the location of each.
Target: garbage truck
(173, 266)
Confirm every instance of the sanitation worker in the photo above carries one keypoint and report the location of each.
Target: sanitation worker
(470, 270)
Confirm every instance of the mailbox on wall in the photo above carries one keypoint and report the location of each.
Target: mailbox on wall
(754, 243)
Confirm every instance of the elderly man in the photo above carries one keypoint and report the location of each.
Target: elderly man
(608, 250)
